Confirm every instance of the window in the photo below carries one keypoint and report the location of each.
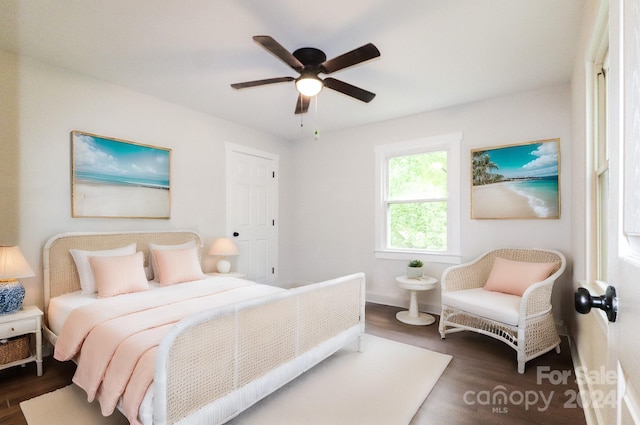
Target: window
(418, 203)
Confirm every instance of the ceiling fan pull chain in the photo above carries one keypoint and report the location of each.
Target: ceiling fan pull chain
(301, 115)
(316, 134)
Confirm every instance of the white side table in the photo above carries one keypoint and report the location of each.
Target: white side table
(413, 316)
(27, 320)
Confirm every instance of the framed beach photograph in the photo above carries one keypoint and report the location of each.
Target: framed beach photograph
(119, 179)
(517, 181)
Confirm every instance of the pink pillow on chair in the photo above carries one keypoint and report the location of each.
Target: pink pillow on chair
(514, 277)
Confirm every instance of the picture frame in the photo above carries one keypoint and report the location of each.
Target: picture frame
(114, 178)
(516, 181)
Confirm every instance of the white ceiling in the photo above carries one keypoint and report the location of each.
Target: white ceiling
(434, 53)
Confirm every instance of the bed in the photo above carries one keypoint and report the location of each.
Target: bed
(221, 344)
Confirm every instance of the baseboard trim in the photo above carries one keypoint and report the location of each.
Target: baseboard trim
(590, 414)
(402, 302)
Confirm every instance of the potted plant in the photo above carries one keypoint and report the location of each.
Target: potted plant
(414, 269)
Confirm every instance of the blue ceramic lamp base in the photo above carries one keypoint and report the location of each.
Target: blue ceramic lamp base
(11, 297)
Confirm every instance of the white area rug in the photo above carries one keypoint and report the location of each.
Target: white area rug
(386, 384)
(67, 406)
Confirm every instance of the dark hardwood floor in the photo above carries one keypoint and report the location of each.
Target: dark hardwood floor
(480, 386)
(21, 383)
(481, 371)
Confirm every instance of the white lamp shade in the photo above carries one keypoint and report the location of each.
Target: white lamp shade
(223, 247)
(13, 264)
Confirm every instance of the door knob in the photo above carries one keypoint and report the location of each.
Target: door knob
(236, 234)
(608, 302)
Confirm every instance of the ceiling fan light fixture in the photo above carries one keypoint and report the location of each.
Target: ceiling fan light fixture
(309, 62)
(309, 85)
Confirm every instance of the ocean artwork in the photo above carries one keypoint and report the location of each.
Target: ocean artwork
(519, 181)
(118, 178)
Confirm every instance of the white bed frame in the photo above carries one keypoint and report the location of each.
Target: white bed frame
(213, 365)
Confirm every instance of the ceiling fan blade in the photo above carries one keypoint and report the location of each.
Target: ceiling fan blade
(354, 57)
(302, 105)
(280, 52)
(261, 82)
(349, 90)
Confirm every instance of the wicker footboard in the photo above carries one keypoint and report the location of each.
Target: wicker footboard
(213, 366)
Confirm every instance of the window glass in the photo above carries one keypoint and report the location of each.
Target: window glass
(418, 176)
(418, 225)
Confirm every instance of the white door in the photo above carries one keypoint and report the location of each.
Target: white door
(252, 207)
(627, 261)
(611, 385)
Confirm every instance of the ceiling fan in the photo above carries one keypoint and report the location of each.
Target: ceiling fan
(309, 62)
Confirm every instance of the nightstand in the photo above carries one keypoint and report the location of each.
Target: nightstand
(230, 274)
(28, 320)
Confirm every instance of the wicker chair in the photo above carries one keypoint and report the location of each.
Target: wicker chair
(524, 323)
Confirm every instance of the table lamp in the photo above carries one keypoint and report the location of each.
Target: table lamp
(223, 247)
(12, 266)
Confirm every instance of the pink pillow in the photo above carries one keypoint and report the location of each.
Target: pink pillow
(152, 260)
(81, 258)
(119, 274)
(177, 265)
(514, 277)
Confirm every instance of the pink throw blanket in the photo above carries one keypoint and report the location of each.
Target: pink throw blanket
(118, 337)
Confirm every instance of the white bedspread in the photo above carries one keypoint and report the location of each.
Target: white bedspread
(91, 326)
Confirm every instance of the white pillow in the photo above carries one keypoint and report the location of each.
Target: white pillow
(80, 257)
(152, 259)
(119, 274)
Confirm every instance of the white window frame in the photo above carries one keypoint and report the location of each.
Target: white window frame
(597, 161)
(601, 167)
(445, 142)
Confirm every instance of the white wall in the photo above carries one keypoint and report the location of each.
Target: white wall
(49, 103)
(326, 186)
(334, 190)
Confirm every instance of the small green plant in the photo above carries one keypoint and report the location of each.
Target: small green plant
(416, 263)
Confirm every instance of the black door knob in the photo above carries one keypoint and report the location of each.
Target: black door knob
(608, 302)
(236, 234)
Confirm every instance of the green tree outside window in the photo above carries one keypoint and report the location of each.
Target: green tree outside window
(417, 201)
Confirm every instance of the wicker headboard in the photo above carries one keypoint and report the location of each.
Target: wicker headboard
(60, 274)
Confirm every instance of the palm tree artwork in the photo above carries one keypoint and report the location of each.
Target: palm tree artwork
(482, 167)
(517, 181)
